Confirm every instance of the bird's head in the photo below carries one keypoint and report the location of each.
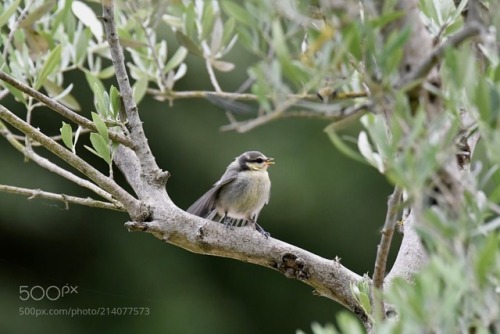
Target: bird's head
(254, 160)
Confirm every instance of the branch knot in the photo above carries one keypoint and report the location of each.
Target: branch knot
(293, 267)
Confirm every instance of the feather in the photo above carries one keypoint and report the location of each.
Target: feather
(206, 203)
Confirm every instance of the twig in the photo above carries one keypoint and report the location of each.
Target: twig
(211, 75)
(248, 125)
(383, 249)
(134, 206)
(56, 138)
(47, 164)
(162, 96)
(336, 115)
(66, 199)
(61, 109)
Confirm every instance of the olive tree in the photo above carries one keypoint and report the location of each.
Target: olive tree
(421, 78)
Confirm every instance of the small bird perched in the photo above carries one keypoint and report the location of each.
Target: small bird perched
(240, 193)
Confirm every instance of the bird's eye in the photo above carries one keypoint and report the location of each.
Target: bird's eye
(259, 160)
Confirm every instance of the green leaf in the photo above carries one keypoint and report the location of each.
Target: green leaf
(176, 59)
(207, 20)
(279, 41)
(53, 60)
(386, 18)
(189, 19)
(139, 89)
(81, 45)
(246, 39)
(341, 146)
(116, 101)
(232, 9)
(106, 73)
(188, 43)
(348, 323)
(486, 257)
(18, 95)
(367, 152)
(364, 301)
(98, 89)
(60, 16)
(173, 21)
(228, 30)
(101, 148)
(37, 13)
(102, 129)
(100, 101)
(223, 66)
(482, 100)
(216, 36)
(5, 16)
(87, 16)
(393, 50)
(67, 135)
(68, 100)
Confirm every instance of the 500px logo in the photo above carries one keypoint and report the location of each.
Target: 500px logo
(52, 292)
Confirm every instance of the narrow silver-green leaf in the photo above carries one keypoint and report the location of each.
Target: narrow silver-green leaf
(101, 147)
(216, 36)
(102, 129)
(67, 135)
(140, 87)
(116, 102)
(107, 73)
(188, 43)
(341, 146)
(81, 45)
(207, 20)
(364, 300)
(68, 100)
(232, 9)
(99, 102)
(176, 59)
(53, 60)
(228, 30)
(37, 13)
(94, 83)
(223, 66)
(8, 12)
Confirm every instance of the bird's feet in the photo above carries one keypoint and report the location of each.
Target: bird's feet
(261, 230)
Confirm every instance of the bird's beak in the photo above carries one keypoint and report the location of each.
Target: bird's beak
(269, 161)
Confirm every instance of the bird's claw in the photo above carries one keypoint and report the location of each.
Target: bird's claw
(262, 231)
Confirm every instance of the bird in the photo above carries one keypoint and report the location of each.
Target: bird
(240, 193)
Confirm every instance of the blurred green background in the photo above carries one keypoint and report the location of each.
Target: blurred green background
(321, 201)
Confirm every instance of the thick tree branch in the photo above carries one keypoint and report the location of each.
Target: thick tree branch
(61, 109)
(134, 206)
(151, 172)
(328, 277)
(66, 199)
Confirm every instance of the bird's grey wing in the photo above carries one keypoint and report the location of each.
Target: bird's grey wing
(206, 203)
